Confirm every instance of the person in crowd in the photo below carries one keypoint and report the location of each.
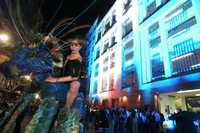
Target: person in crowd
(122, 119)
(132, 124)
(110, 118)
(162, 119)
(184, 121)
(142, 121)
(116, 115)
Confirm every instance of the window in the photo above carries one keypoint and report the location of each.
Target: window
(129, 56)
(128, 51)
(126, 28)
(154, 35)
(113, 41)
(113, 18)
(153, 27)
(105, 48)
(96, 70)
(151, 8)
(128, 45)
(112, 60)
(126, 5)
(107, 26)
(182, 19)
(185, 6)
(98, 36)
(187, 24)
(154, 43)
(129, 79)
(97, 53)
(111, 83)
(104, 84)
(105, 64)
(157, 67)
(185, 57)
(164, 1)
(105, 60)
(95, 87)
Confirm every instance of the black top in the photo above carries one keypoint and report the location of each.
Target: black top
(73, 68)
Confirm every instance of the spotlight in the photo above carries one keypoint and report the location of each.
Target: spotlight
(28, 77)
(37, 96)
(4, 37)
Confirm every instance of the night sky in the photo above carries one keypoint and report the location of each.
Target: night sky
(48, 13)
(72, 8)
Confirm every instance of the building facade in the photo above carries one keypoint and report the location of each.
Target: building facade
(147, 52)
(170, 53)
(112, 70)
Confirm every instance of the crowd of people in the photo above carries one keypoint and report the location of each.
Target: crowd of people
(122, 120)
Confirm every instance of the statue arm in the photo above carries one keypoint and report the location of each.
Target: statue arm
(61, 79)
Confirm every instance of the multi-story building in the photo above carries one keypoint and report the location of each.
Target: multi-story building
(170, 53)
(155, 57)
(112, 70)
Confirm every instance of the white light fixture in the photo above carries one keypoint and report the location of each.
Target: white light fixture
(183, 56)
(197, 65)
(187, 91)
(124, 98)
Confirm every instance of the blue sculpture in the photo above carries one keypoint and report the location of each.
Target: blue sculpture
(38, 63)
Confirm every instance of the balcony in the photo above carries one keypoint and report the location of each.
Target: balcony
(187, 24)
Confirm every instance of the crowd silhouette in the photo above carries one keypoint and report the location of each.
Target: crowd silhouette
(136, 120)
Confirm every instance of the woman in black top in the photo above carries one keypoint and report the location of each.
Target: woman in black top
(72, 71)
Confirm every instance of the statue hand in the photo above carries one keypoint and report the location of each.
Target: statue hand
(74, 78)
(51, 79)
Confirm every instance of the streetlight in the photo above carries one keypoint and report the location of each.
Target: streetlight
(4, 37)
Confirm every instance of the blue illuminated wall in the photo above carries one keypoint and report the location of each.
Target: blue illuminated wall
(91, 37)
(169, 44)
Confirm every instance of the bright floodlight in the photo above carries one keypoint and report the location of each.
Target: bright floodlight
(4, 37)
(28, 77)
(37, 96)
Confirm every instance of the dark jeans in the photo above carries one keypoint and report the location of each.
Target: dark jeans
(54, 90)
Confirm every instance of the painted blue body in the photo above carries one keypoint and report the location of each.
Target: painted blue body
(38, 61)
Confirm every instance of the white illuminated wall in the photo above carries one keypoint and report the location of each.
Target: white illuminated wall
(107, 68)
(164, 52)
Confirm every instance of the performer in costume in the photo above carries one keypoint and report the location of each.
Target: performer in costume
(72, 70)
